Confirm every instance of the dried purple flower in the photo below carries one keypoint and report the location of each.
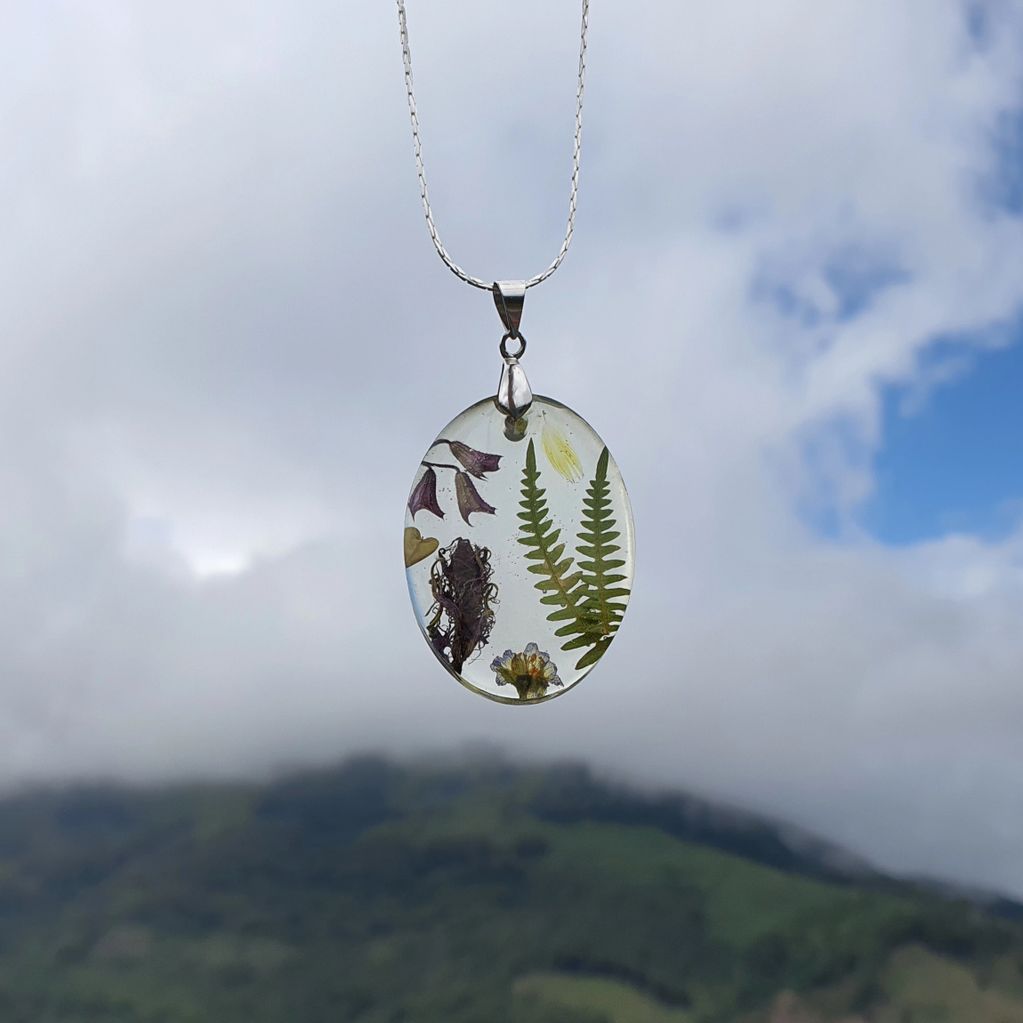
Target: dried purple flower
(462, 614)
(424, 495)
(476, 463)
(469, 499)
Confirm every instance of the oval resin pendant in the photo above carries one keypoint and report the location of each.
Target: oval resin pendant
(519, 550)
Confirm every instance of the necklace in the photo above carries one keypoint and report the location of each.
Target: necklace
(519, 548)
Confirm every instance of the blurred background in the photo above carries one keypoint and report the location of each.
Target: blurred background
(237, 786)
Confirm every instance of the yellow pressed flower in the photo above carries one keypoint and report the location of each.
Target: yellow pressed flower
(560, 452)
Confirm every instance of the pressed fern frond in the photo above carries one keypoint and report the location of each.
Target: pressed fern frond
(602, 607)
(561, 585)
(588, 596)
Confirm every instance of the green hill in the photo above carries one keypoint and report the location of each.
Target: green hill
(466, 893)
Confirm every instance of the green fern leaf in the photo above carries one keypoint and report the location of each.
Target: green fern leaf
(562, 586)
(601, 608)
(583, 591)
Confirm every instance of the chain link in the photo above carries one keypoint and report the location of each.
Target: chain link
(417, 147)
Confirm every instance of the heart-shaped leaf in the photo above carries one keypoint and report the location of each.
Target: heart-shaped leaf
(418, 547)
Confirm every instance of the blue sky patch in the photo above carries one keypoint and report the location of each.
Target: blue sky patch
(956, 463)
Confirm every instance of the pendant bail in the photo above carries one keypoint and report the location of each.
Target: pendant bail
(509, 297)
(514, 395)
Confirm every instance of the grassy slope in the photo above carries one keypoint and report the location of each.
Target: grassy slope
(376, 894)
(613, 999)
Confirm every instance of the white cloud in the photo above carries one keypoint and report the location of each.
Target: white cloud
(228, 342)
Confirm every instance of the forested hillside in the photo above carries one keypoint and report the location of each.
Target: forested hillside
(467, 893)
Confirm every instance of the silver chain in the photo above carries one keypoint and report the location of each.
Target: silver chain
(417, 146)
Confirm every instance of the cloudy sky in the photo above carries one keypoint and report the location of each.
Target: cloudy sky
(793, 308)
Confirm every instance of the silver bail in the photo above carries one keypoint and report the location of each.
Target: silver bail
(509, 297)
(514, 395)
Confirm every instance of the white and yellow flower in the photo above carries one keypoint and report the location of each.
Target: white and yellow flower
(531, 672)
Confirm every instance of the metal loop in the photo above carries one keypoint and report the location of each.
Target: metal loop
(520, 337)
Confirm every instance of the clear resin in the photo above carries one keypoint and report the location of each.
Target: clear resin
(519, 550)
